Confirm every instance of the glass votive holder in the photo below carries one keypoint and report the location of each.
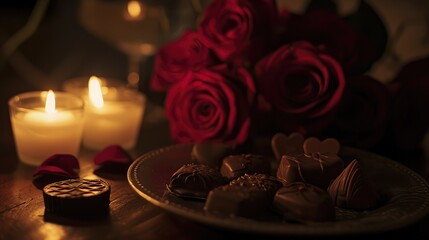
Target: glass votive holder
(79, 85)
(42, 127)
(117, 121)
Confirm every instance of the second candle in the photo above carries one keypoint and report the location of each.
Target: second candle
(113, 115)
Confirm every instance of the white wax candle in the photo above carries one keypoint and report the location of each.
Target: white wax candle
(39, 133)
(116, 122)
(113, 115)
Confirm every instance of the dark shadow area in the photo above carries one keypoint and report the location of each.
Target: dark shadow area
(41, 181)
(81, 220)
(112, 171)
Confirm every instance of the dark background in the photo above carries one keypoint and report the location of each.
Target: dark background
(58, 50)
(61, 49)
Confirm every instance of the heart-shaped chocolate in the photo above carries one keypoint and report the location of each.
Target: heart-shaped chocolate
(314, 145)
(211, 154)
(283, 144)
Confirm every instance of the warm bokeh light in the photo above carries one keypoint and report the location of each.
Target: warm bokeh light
(95, 93)
(50, 102)
(134, 8)
(51, 231)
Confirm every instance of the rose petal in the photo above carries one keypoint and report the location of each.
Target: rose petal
(59, 165)
(53, 170)
(113, 154)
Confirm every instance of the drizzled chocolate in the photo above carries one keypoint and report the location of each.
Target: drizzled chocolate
(195, 181)
(319, 163)
(352, 190)
(317, 168)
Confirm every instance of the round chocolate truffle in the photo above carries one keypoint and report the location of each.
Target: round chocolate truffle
(195, 180)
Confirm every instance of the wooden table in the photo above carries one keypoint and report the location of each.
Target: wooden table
(22, 208)
(131, 217)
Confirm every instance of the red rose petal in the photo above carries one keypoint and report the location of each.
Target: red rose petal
(53, 170)
(59, 165)
(113, 154)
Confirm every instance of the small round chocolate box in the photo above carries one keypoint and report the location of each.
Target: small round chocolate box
(77, 197)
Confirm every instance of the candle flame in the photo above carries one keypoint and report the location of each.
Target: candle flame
(134, 8)
(95, 93)
(50, 102)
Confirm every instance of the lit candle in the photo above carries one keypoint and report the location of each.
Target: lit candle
(134, 11)
(45, 123)
(112, 117)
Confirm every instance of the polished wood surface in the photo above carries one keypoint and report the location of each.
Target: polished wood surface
(50, 57)
(22, 213)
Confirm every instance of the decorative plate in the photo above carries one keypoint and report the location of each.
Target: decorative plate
(405, 196)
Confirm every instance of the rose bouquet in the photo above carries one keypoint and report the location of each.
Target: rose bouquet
(252, 69)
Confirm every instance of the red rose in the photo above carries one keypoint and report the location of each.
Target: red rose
(176, 59)
(363, 112)
(410, 105)
(333, 34)
(302, 83)
(239, 31)
(212, 105)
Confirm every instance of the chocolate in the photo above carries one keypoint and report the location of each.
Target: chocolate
(318, 169)
(352, 190)
(319, 164)
(195, 181)
(211, 154)
(77, 197)
(304, 202)
(282, 144)
(247, 196)
(237, 201)
(263, 182)
(235, 166)
(313, 145)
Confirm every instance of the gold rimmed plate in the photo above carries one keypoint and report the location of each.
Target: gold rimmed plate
(405, 196)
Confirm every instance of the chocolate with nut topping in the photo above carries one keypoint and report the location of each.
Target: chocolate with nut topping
(235, 166)
(247, 196)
